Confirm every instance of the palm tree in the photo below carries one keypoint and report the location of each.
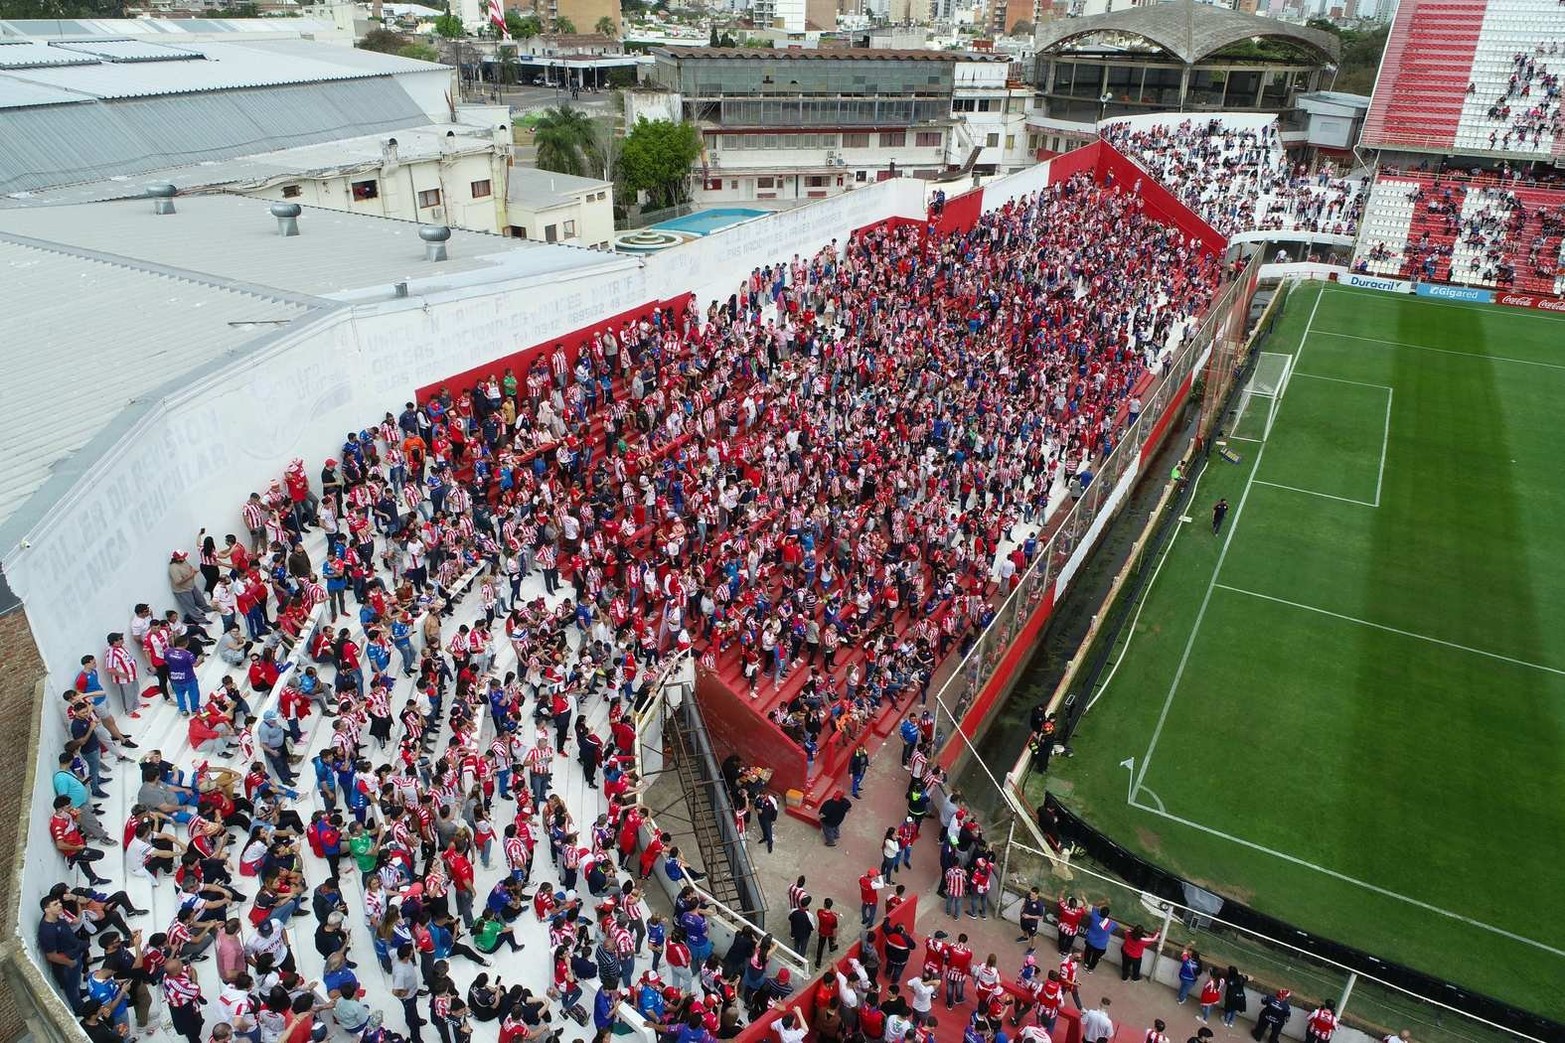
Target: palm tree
(567, 141)
(605, 26)
(563, 26)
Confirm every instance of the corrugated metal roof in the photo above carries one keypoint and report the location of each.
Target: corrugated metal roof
(245, 172)
(16, 93)
(52, 27)
(128, 50)
(28, 54)
(57, 145)
(124, 330)
(336, 254)
(224, 67)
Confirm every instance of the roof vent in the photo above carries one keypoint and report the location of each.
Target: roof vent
(162, 196)
(434, 237)
(287, 215)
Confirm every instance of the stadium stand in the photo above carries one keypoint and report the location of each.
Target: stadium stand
(686, 479)
(1470, 76)
(1239, 177)
(1388, 220)
(1477, 230)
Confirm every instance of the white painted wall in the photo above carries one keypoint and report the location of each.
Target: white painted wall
(194, 457)
(399, 191)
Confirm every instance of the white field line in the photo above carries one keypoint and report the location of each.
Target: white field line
(1366, 885)
(1206, 599)
(1312, 492)
(1443, 351)
(1396, 630)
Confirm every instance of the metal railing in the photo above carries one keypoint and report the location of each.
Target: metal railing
(649, 719)
(1064, 550)
(1357, 982)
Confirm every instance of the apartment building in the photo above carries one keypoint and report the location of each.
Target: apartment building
(785, 125)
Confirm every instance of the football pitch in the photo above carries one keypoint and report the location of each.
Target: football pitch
(1347, 708)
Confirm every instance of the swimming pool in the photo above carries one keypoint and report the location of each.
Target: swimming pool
(705, 222)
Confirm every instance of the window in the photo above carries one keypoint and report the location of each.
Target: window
(481, 189)
(291, 191)
(363, 190)
(570, 229)
(855, 141)
(927, 139)
(1010, 141)
(764, 182)
(714, 184)
(429, 197)
(817, 181)
(992, 141)
(551, 233)
(893, 138)
(519, 231)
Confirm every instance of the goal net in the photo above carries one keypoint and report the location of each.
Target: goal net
(1252, 419)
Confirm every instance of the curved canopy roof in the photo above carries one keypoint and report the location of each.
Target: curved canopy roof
(1187, 30)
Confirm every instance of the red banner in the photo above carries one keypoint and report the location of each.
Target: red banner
(1530, 300)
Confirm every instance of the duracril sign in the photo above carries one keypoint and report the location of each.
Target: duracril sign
(1370, 282)
(1530, 300)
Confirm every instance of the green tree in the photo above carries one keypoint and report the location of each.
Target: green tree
(563, 26)
(727, 40)
(567, 141)
(449, 26)
(656, 157)
(711, 40)
(522, 27)
(1022, 28)
(605, 27)
(383, 40)
(422, 51)
(1360, 59)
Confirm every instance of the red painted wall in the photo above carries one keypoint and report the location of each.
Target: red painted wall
(961, 212)
(1073, 162)
(518, 361)
(735, 726)
(1159, 201)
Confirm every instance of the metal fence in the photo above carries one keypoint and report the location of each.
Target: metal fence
(1086, 517)
(1373, 995)
(1364, 1001)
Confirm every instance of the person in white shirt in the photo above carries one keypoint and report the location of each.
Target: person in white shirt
(1095, 1023)
(790, 1028)
(921, 992)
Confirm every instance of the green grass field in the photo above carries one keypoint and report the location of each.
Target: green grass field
(1348, 709)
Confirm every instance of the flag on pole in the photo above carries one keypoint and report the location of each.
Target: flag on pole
(497, 16)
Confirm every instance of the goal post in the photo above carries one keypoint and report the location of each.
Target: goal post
(1257, 408)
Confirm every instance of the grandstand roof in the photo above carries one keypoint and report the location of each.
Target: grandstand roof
(1186, 30)
(247, 172)
(78, 111)
(113, 307)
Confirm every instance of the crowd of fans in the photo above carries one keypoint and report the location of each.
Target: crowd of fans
(1478, 231)
(396, 703)
(1239, 178)
(1529, 106)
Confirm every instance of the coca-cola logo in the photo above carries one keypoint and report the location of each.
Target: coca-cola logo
(1519, 300)
(1552, 304)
